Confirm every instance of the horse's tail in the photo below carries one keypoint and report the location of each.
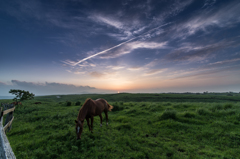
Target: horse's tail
(109, 107)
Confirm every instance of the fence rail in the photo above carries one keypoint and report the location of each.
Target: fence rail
(8, 111)
(5, 148)
(8, 124)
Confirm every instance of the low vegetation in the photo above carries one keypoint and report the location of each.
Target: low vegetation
(140, 126)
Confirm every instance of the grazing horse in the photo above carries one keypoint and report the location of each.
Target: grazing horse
(90, 109)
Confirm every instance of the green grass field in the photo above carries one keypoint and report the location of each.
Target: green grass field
(140, 126)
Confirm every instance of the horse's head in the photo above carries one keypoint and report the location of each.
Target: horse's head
(79, 128)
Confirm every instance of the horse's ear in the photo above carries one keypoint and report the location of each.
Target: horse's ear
(76, 121)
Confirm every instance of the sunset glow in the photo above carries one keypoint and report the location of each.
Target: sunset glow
(71, 47)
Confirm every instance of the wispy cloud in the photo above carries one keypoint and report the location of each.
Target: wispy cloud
(224, 62)
(204, 21)
(2, 83)
(107, 21)
(134, 68)
(116, 67)
(130, 47)
(211, 70)
(193, 53)
(96, 74)
(154, 72)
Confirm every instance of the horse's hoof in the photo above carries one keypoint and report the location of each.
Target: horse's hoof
(107, 124)
(100, 125)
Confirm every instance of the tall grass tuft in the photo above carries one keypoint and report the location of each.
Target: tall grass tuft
(228, 106)
(116, 107)
(203, 111)
(168, 114)
(215, 108)
(189, 115)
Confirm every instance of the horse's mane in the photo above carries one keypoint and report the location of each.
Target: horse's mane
(87, 100)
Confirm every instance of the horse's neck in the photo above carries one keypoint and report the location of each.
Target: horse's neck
(82, 113)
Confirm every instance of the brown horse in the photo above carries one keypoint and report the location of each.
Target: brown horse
(90, 109)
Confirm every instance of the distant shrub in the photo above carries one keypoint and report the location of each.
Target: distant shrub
(143, 104)
(238, 117)
(189, 115)
(78, 103)
(149, 122)
(216, 107)
(69, 103)
(121, 102)
(117, 108)
(74, 148)
(228, 106)
(203, 111)
(132, 111)
(167, 104)
(168, 114)
(230, 112)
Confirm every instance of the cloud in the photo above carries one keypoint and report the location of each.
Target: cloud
(96, 74)
(107, 21)
(51, 88)
(154, 72)
(116, 67)
(225, 17)
(212, 70)
(209, 3)
(134, 68)
(224, 62)
(130, 47)
(192, 53)
(2, 84)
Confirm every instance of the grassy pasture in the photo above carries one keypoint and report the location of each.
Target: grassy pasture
(140, 126)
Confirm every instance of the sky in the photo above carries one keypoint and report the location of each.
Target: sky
(137, 46)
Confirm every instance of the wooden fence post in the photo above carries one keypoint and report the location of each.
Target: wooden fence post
(5, 148)
(9, 116)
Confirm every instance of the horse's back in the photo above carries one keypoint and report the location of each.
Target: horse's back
(100, 105)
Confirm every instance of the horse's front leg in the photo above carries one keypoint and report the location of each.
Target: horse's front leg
(100, 119)
(91, 123)
(88, 124)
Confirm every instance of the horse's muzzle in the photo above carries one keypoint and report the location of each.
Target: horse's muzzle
(78, 138)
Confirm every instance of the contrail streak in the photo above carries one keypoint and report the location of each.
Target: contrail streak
(102, 52)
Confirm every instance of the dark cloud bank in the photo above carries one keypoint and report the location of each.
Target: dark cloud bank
(48, 88)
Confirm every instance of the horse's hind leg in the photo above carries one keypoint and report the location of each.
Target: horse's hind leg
(88, 124)
(106, 114)
(100, 119)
